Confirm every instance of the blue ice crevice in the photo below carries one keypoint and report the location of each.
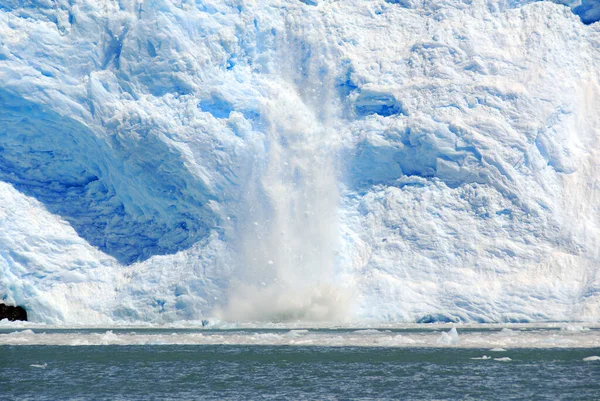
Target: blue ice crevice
(369, 101)
(131, 203)
(433, 152)
(588, 11)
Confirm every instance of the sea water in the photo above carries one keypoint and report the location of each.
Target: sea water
(409, 363)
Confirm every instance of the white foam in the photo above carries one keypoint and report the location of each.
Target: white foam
(485, 357)
(35, 365)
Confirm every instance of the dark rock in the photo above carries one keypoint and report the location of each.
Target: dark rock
(12, 313)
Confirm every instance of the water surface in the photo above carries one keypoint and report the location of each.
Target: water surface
(122, 364)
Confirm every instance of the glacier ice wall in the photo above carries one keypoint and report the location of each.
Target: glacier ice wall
(335, 160)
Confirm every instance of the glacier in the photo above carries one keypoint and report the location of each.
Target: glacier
(285, 160)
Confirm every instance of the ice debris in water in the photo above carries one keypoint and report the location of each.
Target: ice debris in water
(334, 337)
(592, 358)
(450, 337)
(485, 357)
(22, 333)
(574, 327)
(367, 331)
(109, 337)
(296, 333)
(497, 350)
(503, 359)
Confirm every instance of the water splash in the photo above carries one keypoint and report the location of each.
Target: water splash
(289, 233)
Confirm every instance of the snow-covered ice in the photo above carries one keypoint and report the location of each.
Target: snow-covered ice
(284, 160)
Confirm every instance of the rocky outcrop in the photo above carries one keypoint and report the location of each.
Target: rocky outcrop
(12, 313)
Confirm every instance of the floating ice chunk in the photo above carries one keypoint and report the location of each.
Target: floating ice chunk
(454, 335)
(301, 342)
(485, 357)
(367, 331)
(274, 336)
(391, 341)
(398, 340)
(296, 333)
(592, 358)
(78, 341)
(109, 338)
(35, 365)
(504, 359)
(267, 337)
(21, 333)
(574, 327)
(444, 339)
(450, 337)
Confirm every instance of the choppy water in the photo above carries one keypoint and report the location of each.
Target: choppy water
(157, 369)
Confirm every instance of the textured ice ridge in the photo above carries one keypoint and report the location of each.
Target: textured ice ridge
(414, 161)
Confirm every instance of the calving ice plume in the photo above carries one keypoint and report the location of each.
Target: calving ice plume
(287, 160)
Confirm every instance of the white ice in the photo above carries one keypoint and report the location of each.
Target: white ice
(450, 337)
(415, 336)
(301, 161)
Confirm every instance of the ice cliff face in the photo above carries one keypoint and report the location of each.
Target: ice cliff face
(313, 160)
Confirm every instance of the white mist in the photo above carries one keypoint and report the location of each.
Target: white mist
(289, 233)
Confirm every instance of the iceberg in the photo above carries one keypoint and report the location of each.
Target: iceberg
(340, 161)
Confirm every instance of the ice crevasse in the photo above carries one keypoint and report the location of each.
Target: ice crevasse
(403, 161)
